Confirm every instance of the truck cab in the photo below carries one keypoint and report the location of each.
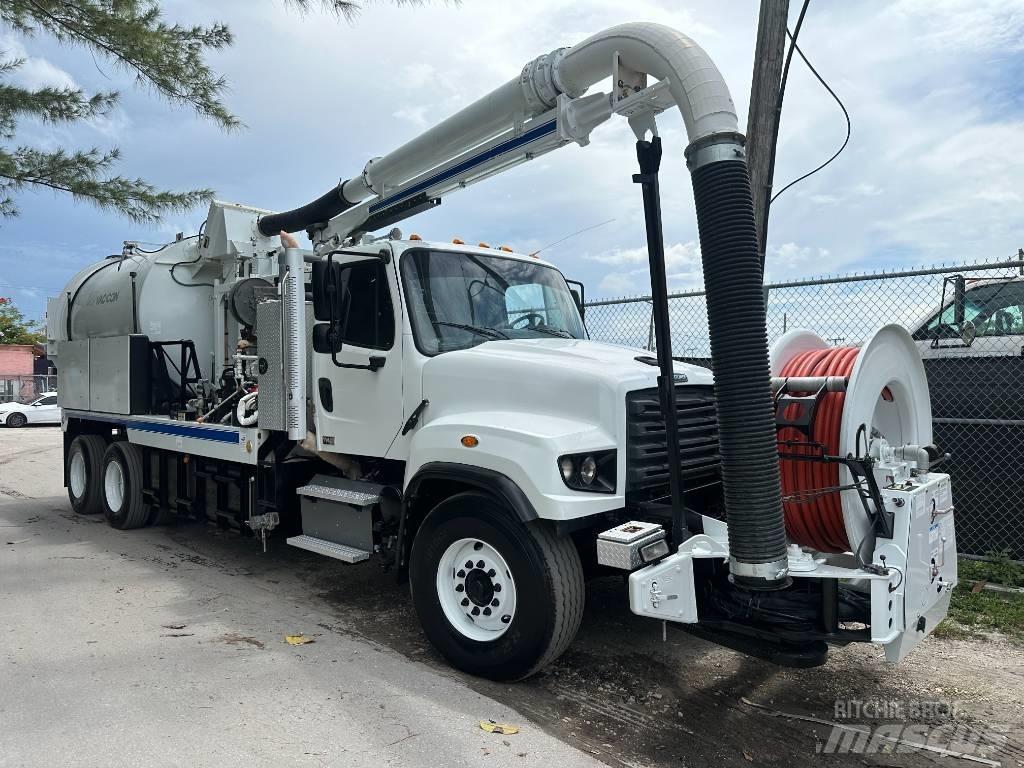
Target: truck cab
(489, 349)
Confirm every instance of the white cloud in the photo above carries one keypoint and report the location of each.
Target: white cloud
(790, 256)
(617, 284)
(677, 256)
(35, 71)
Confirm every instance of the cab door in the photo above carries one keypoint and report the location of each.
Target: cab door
(357, 390)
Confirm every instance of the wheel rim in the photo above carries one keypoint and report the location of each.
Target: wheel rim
(76, 474)
(16, 420)
(113, 486)
(476, 590)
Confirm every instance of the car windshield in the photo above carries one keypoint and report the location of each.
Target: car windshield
(458, 300)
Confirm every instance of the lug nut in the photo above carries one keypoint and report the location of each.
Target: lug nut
(469, 563)
(461, 574)
(492, 573)
(480, 564)
(494, 603)
(487, 611)
(459, 587)
(476, 611)
(497, 587)
(465, 602)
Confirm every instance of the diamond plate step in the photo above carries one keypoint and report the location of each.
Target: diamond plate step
(329, 548)
(356, 498)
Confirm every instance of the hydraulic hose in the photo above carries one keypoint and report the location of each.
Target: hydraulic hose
(739, 359)
(814, 518)
(323, 209)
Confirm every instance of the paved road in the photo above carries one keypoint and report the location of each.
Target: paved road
(164, 646)
(131, 649)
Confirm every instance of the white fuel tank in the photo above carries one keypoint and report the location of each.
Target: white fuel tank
(138, 294)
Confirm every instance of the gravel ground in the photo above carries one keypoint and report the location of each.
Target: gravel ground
(165, 646)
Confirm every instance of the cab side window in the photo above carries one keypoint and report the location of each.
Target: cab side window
(370, 321)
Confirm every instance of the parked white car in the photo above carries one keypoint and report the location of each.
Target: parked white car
(42, 410)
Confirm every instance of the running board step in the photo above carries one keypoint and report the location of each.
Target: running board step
(351, 492)
(329, 549)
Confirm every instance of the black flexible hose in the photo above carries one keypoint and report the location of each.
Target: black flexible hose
(324, 208)
(739, 358)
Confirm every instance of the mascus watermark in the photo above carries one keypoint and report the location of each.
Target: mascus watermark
(910, 725)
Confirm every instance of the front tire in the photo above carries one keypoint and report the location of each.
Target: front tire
(123, 502)
(85, 474)
(16, 420)
(511, 616)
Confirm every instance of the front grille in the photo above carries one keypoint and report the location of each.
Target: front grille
(647, 449)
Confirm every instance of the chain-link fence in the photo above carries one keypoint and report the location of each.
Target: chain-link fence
(969, 331)
(24, 389)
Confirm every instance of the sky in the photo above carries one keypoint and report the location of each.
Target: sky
(934, 172)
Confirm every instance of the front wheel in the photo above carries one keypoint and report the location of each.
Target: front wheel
(16, 420)
(497, 597)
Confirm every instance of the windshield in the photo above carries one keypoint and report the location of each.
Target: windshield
(459, 300)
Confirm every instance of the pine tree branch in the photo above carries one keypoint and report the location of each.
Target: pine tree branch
(170, 58)
(82, 174)
(51, 105)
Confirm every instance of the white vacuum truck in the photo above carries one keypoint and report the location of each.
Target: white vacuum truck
(440, 408)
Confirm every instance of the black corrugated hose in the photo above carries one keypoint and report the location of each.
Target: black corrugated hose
(323, 209)
(739, 355)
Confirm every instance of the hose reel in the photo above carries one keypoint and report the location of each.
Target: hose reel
(833, 406)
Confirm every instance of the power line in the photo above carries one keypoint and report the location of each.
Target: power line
(846, 114)
(775, 131)
(577, 232)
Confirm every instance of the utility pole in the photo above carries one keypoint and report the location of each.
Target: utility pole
(764, 114)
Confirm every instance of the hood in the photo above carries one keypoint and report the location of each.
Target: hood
(563, 377)
(8, 407)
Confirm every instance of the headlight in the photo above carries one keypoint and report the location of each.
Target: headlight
(588, 470)
(592, 471)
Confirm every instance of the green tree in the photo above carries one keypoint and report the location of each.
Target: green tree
(15, 329)
(132, 34)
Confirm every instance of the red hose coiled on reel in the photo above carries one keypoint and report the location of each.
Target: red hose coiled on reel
(816, 519)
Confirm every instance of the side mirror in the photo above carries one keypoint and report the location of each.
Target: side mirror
(968, 332)
(327, 337)
(959, 293)
(578, 295)
(326, 340)
(326, 278)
